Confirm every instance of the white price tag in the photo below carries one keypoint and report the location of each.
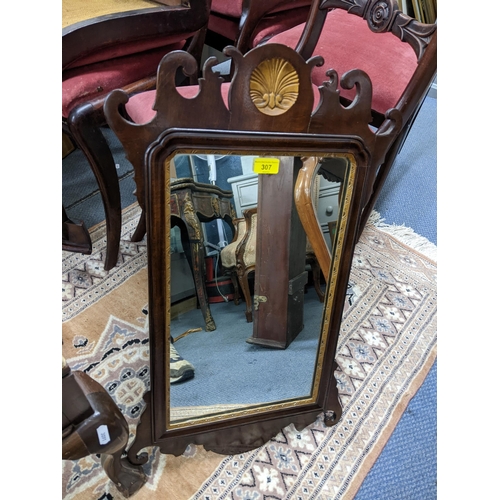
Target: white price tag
(103, 435)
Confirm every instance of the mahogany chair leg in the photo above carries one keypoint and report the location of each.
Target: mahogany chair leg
(140, 230)
(84, 125)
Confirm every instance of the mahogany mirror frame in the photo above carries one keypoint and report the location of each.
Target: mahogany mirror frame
(247, 124)
(243, 430)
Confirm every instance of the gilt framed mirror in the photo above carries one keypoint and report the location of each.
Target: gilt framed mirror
(263, 366)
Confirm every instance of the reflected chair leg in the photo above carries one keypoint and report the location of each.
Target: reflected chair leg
(316, 272)
(85, 130)
(243, 281)
(234, 280)
(199, 281)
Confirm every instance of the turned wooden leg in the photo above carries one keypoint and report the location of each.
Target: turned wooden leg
(84, 124)
(128, 478)
(143, 435)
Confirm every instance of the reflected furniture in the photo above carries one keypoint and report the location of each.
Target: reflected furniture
(93, 424)
(108, 45)
(306, 199)
(247, 23)
(244, 189)
(280, 274)
(239, 257)
(192, 203)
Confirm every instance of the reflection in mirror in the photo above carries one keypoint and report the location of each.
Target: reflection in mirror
(232, 367)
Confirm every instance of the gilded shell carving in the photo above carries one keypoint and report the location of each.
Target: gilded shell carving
(274, 86)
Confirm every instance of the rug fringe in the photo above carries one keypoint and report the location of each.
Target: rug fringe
(406, 235)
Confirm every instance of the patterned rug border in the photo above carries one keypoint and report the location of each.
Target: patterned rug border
(385, 435)
(406, 236)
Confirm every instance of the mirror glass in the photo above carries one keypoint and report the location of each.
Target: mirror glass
(235, 370)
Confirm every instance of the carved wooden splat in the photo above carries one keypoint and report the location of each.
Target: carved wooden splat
(271, 90)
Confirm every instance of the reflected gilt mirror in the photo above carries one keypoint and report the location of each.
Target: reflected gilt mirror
(275, 234)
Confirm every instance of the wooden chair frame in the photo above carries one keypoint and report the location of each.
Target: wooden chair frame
(84, 122)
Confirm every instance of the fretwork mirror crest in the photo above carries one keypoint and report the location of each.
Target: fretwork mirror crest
(270, 110)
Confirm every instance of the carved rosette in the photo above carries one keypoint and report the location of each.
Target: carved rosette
(274, 86)
(380, 15)
(384, 16)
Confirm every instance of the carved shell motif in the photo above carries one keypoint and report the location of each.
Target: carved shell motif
(274, 86)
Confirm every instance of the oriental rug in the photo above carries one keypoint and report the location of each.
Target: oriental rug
(386, 347)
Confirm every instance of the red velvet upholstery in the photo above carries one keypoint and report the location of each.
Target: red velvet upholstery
(126, 48)
(228, 27)
(225, 19)
(347, 43)
(272, 25)
(230, 8)
(84, 83)
(234, 8)
(140, 106)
